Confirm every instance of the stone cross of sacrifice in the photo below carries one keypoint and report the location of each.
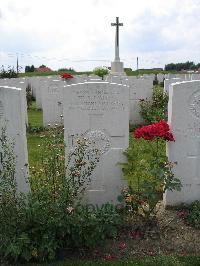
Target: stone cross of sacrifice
(117, 24)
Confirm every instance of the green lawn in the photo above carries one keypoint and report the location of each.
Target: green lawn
(52, 73)
(35, 116)
(33, 149)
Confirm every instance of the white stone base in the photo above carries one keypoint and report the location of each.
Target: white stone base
(117, 68)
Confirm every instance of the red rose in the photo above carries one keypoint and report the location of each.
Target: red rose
(162, 128)
(66, 76)
(159, 129)
(169, 137)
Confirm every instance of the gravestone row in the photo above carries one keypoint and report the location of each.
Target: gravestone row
(49, 96)
(99, 111)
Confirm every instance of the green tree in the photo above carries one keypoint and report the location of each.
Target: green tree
(66, 69)
(100, 71)
(27, 69)
(32, 68)
(180, 66)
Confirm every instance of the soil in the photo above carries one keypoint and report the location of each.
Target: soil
(165, 235)
(168, 235)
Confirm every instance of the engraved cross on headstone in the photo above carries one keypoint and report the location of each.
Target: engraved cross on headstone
(1, 157)
(117, 24)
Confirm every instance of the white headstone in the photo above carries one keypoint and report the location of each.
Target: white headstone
(18, 83)
(38, 92)
(160, 77)
(13, 117)
(184, 121)
(77, 79)
(168, 82)
(100, 112)
(140, 89)
(195, 76)
(33, 82)
(119, 79)
(93, 78)
(52, 102)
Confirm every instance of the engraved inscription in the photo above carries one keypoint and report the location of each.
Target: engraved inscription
(194, 130)
(194, 104)
(191, 130)
(98, 140)
(96, 99)
(1, 110)
(53, 90)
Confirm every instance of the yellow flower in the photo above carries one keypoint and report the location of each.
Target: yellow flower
(140, 211)
(129, 198)
(145, 207)
(34, 253)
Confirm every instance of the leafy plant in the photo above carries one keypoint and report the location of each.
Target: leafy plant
(29, 97)
(151, 175)
(191, 214)
(32, 129)
(155, 81)
(155, 109)
(11, 202)
(36, 225)
(9, 73)
(132, 127)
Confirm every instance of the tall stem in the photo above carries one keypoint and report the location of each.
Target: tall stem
(157, 147)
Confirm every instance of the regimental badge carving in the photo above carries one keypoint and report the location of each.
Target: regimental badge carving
(1, 110)
(194, 104)
(99, 140)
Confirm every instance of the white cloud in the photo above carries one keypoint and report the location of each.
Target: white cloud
(51, 32)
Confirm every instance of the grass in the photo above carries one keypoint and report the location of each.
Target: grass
(33, 139)
(52, 73)
(35, 116)
(129, 72)
(33, 149)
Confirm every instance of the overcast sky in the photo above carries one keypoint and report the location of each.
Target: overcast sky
(78, 34)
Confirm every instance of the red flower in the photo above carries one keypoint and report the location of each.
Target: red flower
(122, 245)
(181, 214)
(108, 257)
(159, 129)
(66, 76)
(136, 234)
(169, 136)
